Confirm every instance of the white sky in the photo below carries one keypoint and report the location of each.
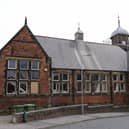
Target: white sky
(59, 18)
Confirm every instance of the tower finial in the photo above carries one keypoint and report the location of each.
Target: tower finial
(25, 20)
(118, 21)
(78, 26)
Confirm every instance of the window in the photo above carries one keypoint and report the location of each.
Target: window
(12, 64)
(88, 77)
(11, 87)
(116, 87)
(60, 82)
(35, 65)
(79, 82)
(95, 77)
(65, 77)
(11, 75)
(97, 81)
(79, 77)
(24, 65)
(119, 83)
(65, 87)
(104, 83)
(122, 77)
(104, 87)
(56, 87)
(96, 87)
(115, 77)
(21, 74)
(56, 76)
(103, 77)
(35, 75)
(122, 87)
(23, 86)
(87, 88)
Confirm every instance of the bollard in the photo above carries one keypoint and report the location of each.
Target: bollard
(24, 117)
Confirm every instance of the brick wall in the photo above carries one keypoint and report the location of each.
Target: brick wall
(61, 100)
(8, 102)
(24, 46)
(93, 99)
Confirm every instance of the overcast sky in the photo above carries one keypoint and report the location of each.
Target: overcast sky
(59, 18)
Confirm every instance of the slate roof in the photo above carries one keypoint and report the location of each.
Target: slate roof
(71, 54)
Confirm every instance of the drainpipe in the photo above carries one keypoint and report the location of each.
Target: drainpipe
(50, 82)
(82, 87)
(111, 88)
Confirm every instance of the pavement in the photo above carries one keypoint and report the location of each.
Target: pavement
(54, 122)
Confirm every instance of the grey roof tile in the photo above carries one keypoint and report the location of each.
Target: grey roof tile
(71, 54)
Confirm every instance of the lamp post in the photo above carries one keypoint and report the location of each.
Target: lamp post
(82, 88)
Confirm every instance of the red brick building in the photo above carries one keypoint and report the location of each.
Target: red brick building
(52, 71)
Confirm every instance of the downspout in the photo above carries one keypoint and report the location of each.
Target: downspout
(50, 82)
(111, 89)
(127, 78)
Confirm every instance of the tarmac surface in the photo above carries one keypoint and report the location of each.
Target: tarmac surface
(55, 122)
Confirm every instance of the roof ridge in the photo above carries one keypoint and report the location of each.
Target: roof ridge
(86, 42)
(53, 37)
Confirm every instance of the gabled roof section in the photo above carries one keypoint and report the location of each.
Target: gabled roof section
(61, 51)
(24, 35)
(72, 54)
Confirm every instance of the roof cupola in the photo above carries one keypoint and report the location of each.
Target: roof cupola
(79, 34)
(120, 35)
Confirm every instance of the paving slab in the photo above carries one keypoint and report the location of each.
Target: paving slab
(42, 124)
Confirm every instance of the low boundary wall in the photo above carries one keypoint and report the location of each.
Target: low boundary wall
(64, 111)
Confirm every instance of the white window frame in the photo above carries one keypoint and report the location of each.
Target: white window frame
(56, 91)
(63, 91)
(26, 87)
(35, 78)
(87, 91)
(58, 74)
(37, 64)
(124, 87)
(102, 87)
(117, 89)
(67, 77)
(97, 85)
(78, 81)
(11, 71)
(117, 77)
(25, 78)
(89, 77)
(20, 68)
(119, 82)
(15, 67)
(123, 77)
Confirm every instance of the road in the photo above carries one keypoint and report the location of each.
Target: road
(106, 123)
